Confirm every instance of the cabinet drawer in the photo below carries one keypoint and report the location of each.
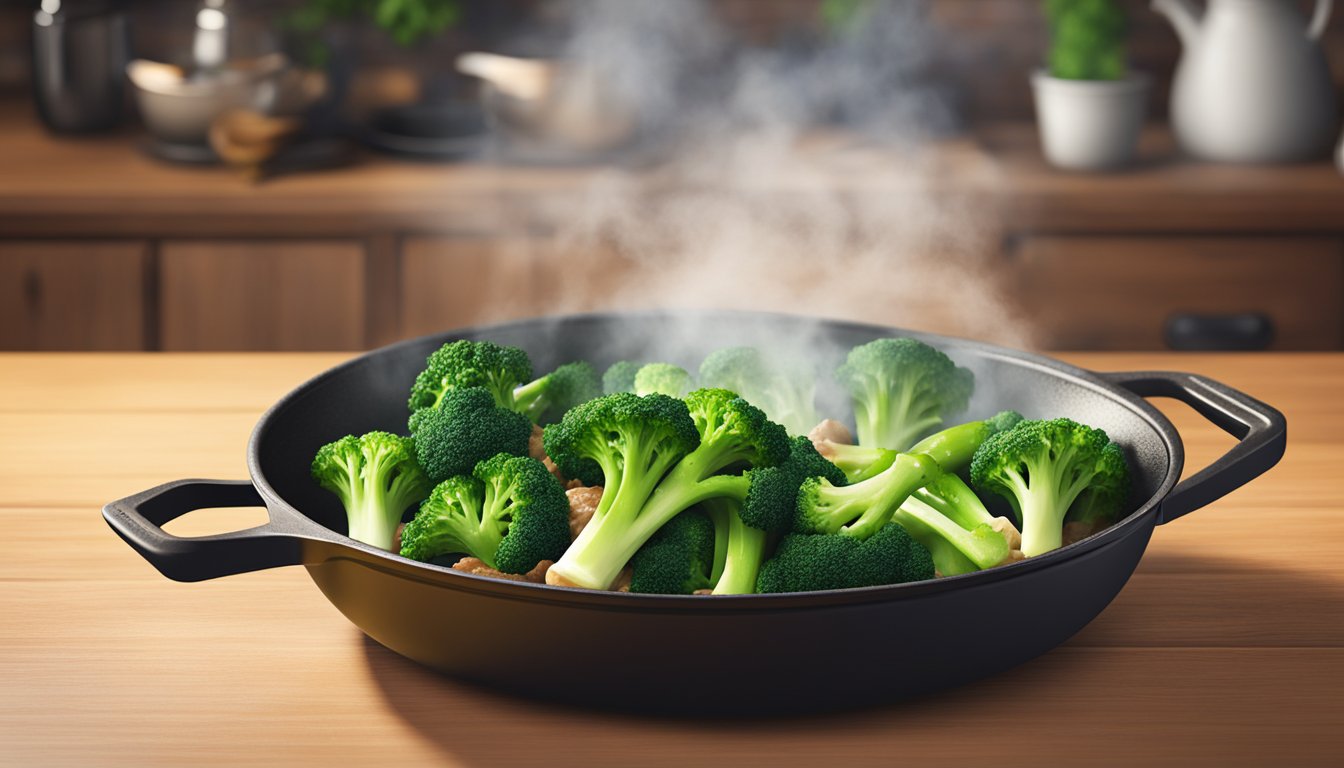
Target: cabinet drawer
(261, 295)
(69, 295)
(1120, 293)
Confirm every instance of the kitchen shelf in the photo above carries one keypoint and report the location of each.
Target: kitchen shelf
(401, 229)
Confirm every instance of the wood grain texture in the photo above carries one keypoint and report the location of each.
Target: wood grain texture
(1226, 648)
(73, 295)
(104, 187)
(456, 282)
(261, 295)
(1103, 293)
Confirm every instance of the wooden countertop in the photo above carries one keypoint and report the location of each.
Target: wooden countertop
(105, 187)
(1226, 648)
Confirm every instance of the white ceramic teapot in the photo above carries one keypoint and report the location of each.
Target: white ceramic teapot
(1252, 85)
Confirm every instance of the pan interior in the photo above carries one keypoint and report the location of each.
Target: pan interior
(370, 392)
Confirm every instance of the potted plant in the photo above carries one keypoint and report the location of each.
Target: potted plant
(1089, 107)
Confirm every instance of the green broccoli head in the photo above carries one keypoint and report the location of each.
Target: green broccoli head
(678, 559)
(525, 497)
(732, 432)
(376, 477)
(1043, 467)
(548, 397)
(627, 444)
(772, 495)
(511, 513)
(606, 439)
(462, 364)
(812, 562)
(663, 379)
(466, 428)
(902, 389)
(784, 389)
(620, 377)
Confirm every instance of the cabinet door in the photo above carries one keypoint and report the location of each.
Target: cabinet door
(452, 282)
(71, 295)
(262, 295)
(1122, 292)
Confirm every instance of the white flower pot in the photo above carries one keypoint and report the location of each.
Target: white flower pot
(1090, 125)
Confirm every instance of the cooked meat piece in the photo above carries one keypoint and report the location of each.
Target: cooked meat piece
(396, 537)
(1005, 526)
(535, 449)
(622, 583)
(703, 592)
(582, 504)
(477, 567)
(832, 430)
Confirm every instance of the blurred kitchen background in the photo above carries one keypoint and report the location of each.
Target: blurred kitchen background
(340, 174)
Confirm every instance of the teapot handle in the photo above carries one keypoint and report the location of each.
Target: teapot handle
(1319, 18)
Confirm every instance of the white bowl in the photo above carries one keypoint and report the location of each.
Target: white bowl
(1090, 125)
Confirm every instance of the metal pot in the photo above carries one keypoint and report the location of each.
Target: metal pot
(550, 109)
(746, 654)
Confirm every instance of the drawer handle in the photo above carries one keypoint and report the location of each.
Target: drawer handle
(1235, 332)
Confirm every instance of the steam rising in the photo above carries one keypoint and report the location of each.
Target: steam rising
(799, 178)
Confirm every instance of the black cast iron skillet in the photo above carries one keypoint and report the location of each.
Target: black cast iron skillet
(733, 654)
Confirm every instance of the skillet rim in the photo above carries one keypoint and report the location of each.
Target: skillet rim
(300, 524)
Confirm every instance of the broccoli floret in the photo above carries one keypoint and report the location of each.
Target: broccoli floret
(811, 562)
(784, 389)
(466, 428)
(745, 520)
(901, 390)
(862, 507)
(1043, 467)
(677, 560)
(548, 397)
(952, 523)
(376, 478)
(626, 444)
(663, 379)
(620, 377)
(511, 513)
(461, 364)
(726, 432)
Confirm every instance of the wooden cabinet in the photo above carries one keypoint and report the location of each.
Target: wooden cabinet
(74, 295)
(262, 295)
(1120, 292)
(451, 282)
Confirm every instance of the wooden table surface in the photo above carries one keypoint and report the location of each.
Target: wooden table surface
(1226, 648)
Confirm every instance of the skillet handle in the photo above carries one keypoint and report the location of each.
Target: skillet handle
(1261, 430)
(138, 520)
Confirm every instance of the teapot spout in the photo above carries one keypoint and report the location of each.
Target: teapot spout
(1183, 16)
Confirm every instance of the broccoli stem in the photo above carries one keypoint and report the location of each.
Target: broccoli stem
(620, 525)
(953, 447)
(372, 525)
(955, 549)
(859, 510)
(1046, 495)
(746, 552)
(857, 462)
(530, 400)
